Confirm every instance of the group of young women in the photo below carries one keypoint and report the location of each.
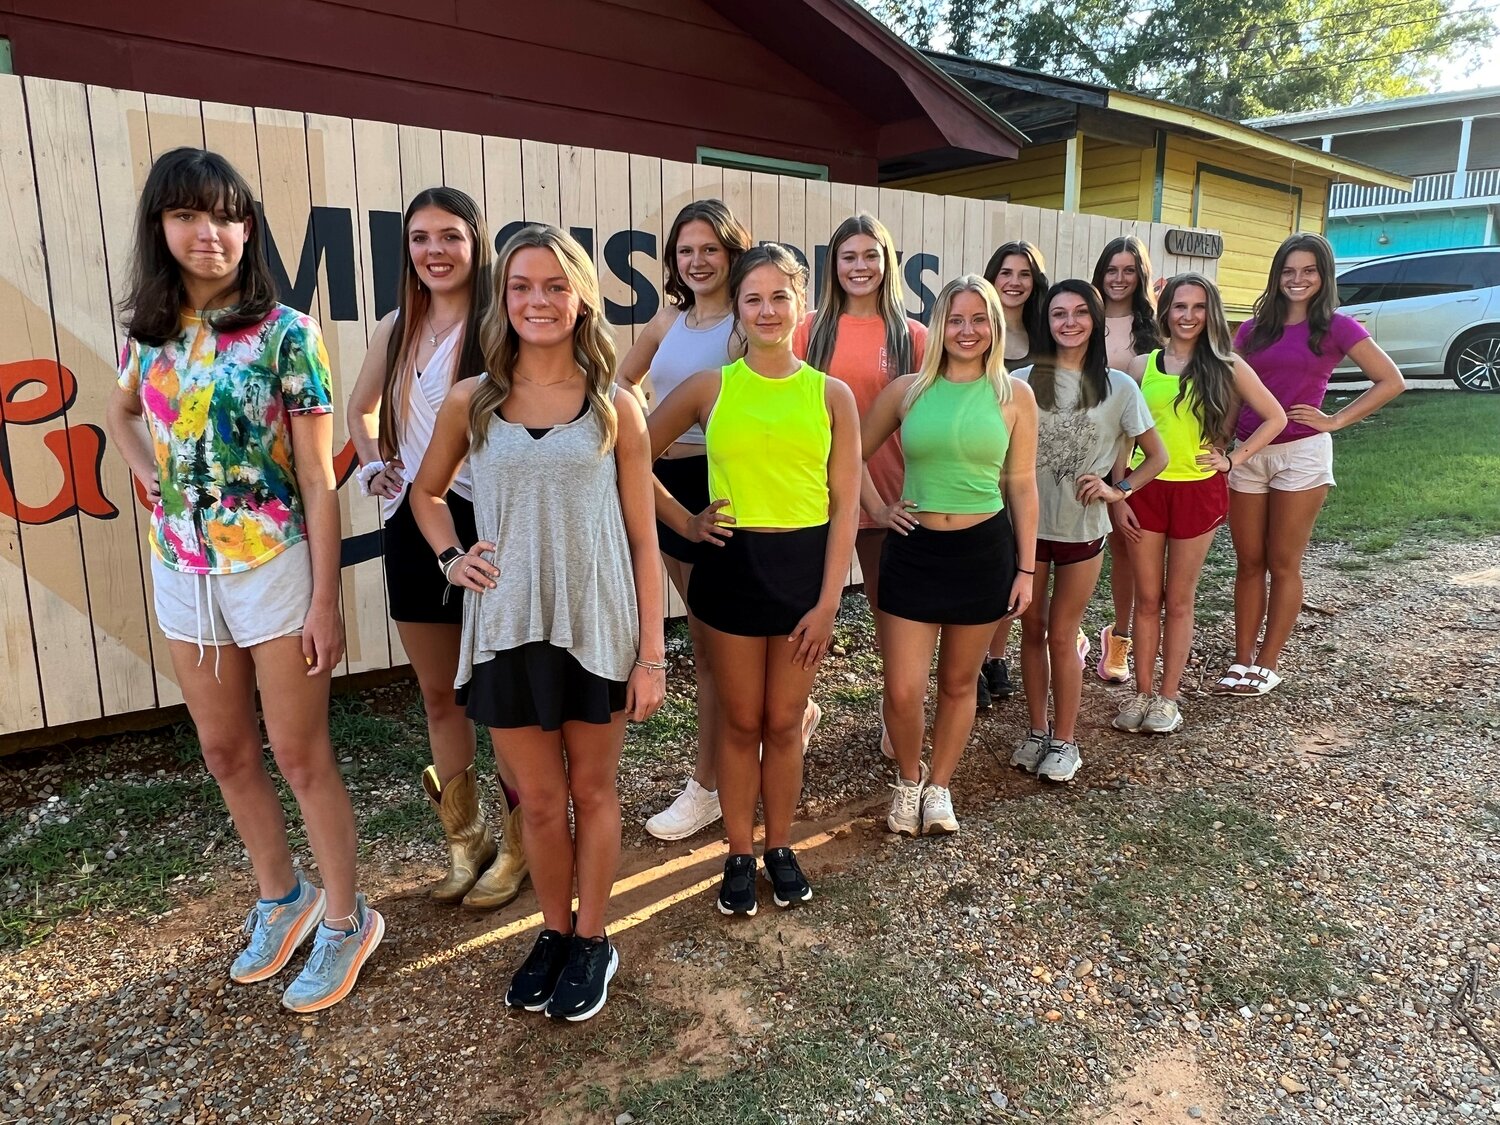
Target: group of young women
(527, 481)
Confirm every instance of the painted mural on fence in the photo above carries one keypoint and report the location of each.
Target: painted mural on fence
(77, 632)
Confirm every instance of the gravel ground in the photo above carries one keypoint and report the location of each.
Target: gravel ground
(1288, 912)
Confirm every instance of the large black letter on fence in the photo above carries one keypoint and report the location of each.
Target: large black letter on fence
(617, 251)
(329, 236)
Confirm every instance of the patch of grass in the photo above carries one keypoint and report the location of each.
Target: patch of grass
(408, 819)
(62, 867)
(668, 734)
(841, 1037)
(1422, 469)
(1209, 865)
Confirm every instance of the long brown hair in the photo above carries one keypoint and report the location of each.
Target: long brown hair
(730, 232)
(1271, 306)
(593, 343)
(1207, 381)
(768, 254)
(891, 300)
(1034, 311)
(1144, 335)
(198, 180)
(416, 300)
(1093, 388)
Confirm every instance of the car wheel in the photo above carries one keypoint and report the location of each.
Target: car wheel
(1474, 362)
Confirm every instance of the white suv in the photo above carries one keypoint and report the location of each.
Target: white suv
(1435, 313)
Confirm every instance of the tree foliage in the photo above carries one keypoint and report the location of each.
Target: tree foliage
(1230, 57)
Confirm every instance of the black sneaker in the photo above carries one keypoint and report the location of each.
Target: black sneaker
(982, 699)
(788, 885)
(737, 891)
(534, 981)
(997, 675)
(583, 986)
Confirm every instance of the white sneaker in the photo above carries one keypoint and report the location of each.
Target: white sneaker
(1134, 713)
(1030, 751)
(905, 818)
(1163, 717)
(937, 812)
(694, 810)
(1062, 761)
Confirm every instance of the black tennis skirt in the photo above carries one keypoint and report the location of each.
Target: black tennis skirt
(413, 583)
(949, 577)
(538, 685)
(760, 583)
(686, 478)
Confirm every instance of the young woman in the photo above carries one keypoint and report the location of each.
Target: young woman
(969, 433)
(694, 332)
(562, 636)
(1086, 413)
(224, 415)
(418, 352)
(1294, 341)
(783, 465)
(861, 335)
(1123, 277)
(1018, 272)
(1193, 388)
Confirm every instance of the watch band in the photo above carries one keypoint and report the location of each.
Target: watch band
(446, 557)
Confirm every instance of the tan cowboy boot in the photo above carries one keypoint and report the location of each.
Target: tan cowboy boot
(471, 848)
(502, 882)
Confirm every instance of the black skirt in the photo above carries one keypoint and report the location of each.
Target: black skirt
(760, 583)
(949, 577)
(538, 685)
(686, 478)
(413, 583)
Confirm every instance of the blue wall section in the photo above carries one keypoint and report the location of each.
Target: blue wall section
(1357, 237)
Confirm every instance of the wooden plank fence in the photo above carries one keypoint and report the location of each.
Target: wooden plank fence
(77, 635)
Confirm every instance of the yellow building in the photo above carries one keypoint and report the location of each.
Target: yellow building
(1102, 152)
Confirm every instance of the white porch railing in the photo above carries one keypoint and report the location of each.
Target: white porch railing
(1478, 183)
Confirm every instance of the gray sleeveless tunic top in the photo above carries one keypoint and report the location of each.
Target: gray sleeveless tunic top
(551, 506)
(685, 351)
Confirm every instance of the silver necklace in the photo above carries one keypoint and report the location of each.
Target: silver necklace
(433, 335)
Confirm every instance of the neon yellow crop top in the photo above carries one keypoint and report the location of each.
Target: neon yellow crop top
(1180, 430)
(768, 445)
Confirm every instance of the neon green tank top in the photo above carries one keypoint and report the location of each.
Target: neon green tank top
(1178, 426)
(954, 440)
(768, 445)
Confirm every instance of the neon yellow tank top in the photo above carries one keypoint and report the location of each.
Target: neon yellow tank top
(1178, 426)
(768, 445)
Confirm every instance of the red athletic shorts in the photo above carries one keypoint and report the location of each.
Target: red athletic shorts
(1062, 554)
(1182, 509)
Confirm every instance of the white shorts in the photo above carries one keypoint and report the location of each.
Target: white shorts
(1292, 466)
(245, 609)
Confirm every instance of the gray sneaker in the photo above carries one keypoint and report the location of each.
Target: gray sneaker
(1062, 761)
(335, 962)
(1163, 718)
(1133, 713)
(905, 817)
(937, 812)
(275, 931)
(1030, 751)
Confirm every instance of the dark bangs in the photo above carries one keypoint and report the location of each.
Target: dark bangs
(198, 180)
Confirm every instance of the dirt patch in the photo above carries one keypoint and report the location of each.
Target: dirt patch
(1487, 577)
(1172, 1086)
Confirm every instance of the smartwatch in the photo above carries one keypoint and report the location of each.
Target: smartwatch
(1125, 486)
(447, 557)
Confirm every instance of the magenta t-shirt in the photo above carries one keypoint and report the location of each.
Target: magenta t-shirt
(1293, 372)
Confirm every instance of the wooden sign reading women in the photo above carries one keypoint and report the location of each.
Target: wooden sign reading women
(77, 637)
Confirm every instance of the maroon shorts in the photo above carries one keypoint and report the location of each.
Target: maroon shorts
(1182, 509)
(1061, 554)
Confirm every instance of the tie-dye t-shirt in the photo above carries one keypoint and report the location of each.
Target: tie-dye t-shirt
(219, 408)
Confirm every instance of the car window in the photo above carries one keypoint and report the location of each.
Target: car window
(1481, 270)
(1366, 283)
(1431, 277)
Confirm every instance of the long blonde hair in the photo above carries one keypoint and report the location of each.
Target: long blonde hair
(891, 299)
(935, 361)
(593, 345)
